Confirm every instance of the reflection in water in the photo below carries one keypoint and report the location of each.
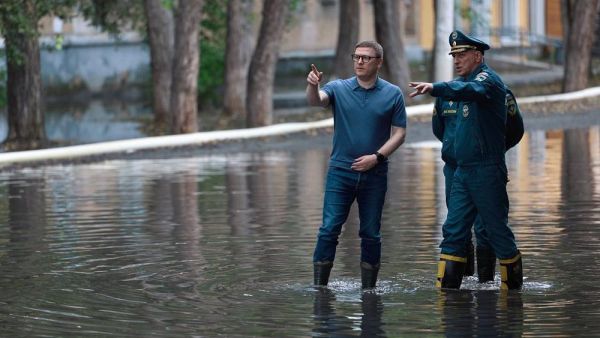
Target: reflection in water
(371, 324)
(221, 245)
(328, 323)
(91, 121)
(482, 313)
(26, 218)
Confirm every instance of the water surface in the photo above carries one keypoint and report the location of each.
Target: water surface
(220, 244)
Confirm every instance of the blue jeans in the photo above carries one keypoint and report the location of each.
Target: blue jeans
(479, 190)
(480, 235)
(343, 187)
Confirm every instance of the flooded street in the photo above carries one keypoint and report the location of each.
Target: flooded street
(220, 244)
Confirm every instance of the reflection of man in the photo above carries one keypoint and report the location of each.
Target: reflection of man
(479, 183)
(483, 313)
(327, 322)
(371, 324)
(330, 324)
(443, 123)
(365, 109)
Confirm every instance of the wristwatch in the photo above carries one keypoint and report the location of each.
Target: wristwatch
(380, 157)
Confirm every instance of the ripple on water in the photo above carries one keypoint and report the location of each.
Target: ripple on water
(222, 246)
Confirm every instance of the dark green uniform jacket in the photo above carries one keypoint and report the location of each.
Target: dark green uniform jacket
(480, 104)
(443, 124)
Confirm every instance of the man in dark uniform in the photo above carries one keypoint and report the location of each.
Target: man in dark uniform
(443, 123)
(479, 182)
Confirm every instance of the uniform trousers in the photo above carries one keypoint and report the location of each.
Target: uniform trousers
(479, 190)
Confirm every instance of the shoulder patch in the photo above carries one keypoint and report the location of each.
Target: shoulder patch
(511, 105)
(481, 76)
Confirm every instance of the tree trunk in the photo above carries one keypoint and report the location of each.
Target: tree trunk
(160, 37)
(264, 61)
(442, 62)
(581, 36)
(566, 17)
(25, 118)
(184, 96)
(238, 51)
(389, 30)
(349, 22)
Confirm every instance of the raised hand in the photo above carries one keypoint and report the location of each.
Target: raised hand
(314, 77)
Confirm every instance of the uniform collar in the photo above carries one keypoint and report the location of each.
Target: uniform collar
(477, 70)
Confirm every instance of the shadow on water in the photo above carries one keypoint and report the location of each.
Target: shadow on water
(220, 244)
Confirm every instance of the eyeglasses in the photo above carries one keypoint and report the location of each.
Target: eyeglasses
(365, 58)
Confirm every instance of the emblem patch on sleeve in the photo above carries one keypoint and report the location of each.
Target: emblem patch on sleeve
(465, 111)
(511, 105)
(481, 76)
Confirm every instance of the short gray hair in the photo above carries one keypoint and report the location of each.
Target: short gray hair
(371, 44)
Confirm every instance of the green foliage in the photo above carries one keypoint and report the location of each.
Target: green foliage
(295, 6)
(212, 51)
(114, 15)
(463, 11)
(23, 16)
(20, 19)
(211, 74)
(168, 4)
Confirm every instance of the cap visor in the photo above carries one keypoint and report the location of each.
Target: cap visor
(457, 50)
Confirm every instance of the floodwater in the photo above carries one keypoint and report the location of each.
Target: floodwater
(219, 243)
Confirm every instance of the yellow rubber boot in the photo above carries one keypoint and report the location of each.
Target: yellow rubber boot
(511, 272)
(450, 271)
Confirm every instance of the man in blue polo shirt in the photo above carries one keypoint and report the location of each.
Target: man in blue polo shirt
(369, 125)
(479, 182)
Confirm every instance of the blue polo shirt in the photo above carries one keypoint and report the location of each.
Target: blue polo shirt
(363, 118)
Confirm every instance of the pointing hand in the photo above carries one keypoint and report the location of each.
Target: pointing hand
(314, 77)
(421, 88)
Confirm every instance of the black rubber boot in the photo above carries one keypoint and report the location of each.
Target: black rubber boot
(321, 272)
(470, 267)
(450, 271)
(368, 274)
(486, 264)
(511, 271)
